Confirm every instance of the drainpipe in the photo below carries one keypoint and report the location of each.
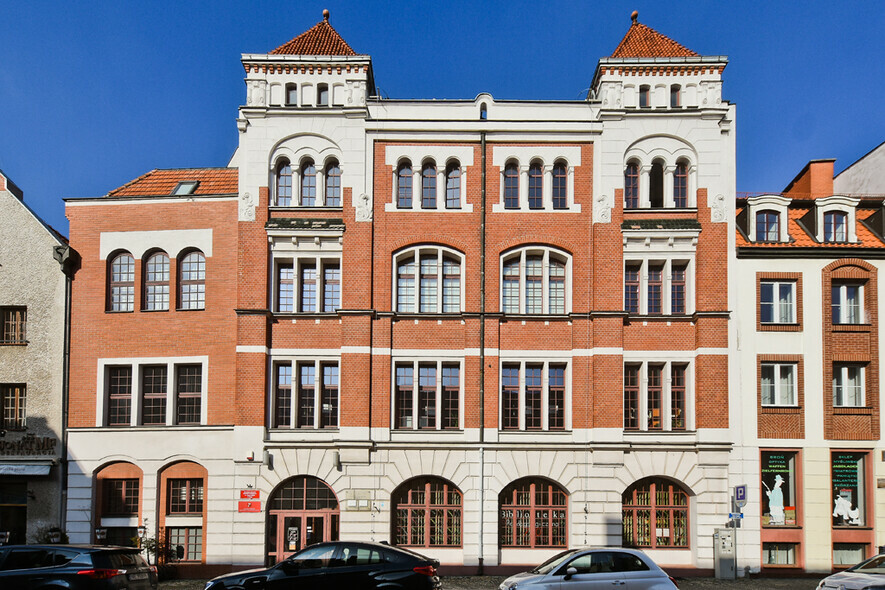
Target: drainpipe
(66, 259)
(482, 351)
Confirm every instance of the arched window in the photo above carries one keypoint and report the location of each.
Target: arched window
(656, 185)
(533, 514)
(333, 185)
(767, 226)
(308, 184)
(560, 186)
(284, 184)
(483, 112)
(156, 282)
(631, 186)
(121, 292)
(453, 186)
(536, 186)
(434, 294)
(655, 515)
(511, 186)
(534, 281)
(404, 185)
(303, 504)
(291, 95)
(427, 512)
(192, 281)
(182, 494)
(680, 185)
(118, 498)
(675, 96)
(428, 186)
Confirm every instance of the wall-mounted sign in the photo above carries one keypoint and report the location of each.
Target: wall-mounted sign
(249, 506)
(29, 446)
(250, 494)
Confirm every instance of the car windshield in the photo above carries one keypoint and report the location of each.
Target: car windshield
(552, 563)
(876, 565)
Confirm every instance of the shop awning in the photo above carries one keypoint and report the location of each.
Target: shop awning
(32, 468)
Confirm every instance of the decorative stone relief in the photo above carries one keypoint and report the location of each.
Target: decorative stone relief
(718, 210)
(247, 208)
(364, 208)
(255, 95)
(602, 209)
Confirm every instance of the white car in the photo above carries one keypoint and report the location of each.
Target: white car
(867, 575)
(586, 569)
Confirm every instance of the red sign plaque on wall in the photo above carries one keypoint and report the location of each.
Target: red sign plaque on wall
(249, 506)
(250, 494)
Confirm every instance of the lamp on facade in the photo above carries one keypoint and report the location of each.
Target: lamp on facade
(142, 530)
(55, 535)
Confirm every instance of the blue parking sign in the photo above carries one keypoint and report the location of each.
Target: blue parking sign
(740, 495)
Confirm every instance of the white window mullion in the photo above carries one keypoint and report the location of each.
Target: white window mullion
(521, 404)
(437, 399)
(545, 280)
(171, 398)
(667, 288)
(317, 385)
(643, 396)
(545, 397)
(643, 289)
(523, 302)
(135, 396)
(440, 278)
(294, 390)
(666, 397)
(416, 377)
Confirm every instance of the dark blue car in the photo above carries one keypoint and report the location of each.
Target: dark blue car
(75, 567)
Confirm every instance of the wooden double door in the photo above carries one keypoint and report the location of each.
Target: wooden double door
(290, 531)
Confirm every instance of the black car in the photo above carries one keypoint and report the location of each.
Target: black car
(75, 567)
(341, 564)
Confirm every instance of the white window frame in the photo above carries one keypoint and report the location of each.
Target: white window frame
(441, 156)
(296, 363)
(415, 363)
(320, 262)
(837, 204)
(777, 203)
(546, 157)
(415, 253)
(842, 384)
(545, 393)
(666, 283)
(844, 315)
(666, 393)
(669, 151)
(776, 303)
(777, 369)
(137, 365)
(296, 160)
(545, 252)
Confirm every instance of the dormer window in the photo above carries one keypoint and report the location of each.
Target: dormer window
(835, 226)
(767, 226)
(644, 96)
(186, 187)
(292, 95)
(322, 95)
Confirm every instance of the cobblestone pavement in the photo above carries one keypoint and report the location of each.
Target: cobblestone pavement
(491, 583)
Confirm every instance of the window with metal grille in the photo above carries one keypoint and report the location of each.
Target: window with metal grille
(13, 397)
(308, 184)
(188, 394)
(533, 514)
(655, 515)
(185, 496)
(14, 321)
(156, 282)
(121, 292)
(185, 543)
(284, 184)
(153, 394)
(192, 281)
(427, 512)
(119, 396)
(120, 497)
(333, 185)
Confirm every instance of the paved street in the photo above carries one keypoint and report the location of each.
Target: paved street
(491, 583)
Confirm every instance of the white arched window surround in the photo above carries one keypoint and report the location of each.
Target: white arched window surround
(547, 157)
(427, 288)
(520, 281)
(296, 158)
(442, 157)
(669, 151)
(837, 203)
(777, 203)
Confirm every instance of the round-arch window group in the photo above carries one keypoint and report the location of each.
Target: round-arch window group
(657, 190)
(156, 281)
(306, 185)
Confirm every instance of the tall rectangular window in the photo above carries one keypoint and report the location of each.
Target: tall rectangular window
(451, 286)
(306, 394)
(533, 392)
(510, 398)
(560, 187)
(14, 321)
(119, 497)
(186, 542)
(451, 387)
(631, 289)
(428, 187)
(556, 398)
(403, 400)
(285, 288)
(308, 288)
(283, 396)
(331, 287)
(849, 485)
(677, 289)
(453, 187)
(835, 226)
(677, 397)
(153, 391)
(429, 283)
(432, 400)
(188, 394)
(655, 398)
(119, 396)
(777, 302)
(13, 397)
(185, 496)
(329, 401)
(427, 396)
(847, 304)
(511, 287)
(631, 186)
(778, 385)
(511, 186)
(778, 488)
(631, 397)
(534, 284)
(655, 290)
(848, 386)
(536, 187)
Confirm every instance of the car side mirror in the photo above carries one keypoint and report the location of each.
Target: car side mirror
(570, 572)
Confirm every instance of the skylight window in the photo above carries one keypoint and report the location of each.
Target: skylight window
(186, 187)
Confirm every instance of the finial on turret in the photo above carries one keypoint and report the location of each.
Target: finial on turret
(634, 16)
(326, 14)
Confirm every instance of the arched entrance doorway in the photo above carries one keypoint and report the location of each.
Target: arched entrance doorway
(302, 511)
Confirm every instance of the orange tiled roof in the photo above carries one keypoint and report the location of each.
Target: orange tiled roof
(800, 238)
(643, 41)
(321, 39)
(213, 181)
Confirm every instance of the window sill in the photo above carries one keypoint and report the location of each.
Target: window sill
(793, 327)
(852, 411)
(500, 208)
(303, 207)
(190, 309)
(852, 327)
(22, 343)
(781, 409)
(119, 311)
(155, 310)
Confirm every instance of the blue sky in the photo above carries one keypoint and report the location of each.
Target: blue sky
(94, 94)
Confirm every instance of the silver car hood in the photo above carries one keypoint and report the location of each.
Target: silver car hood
(521, 578)
(852, 580)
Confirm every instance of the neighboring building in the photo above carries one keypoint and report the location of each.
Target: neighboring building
(483, 329)
(36, 265)
(807, 365)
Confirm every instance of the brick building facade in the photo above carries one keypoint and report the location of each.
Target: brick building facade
(483, 329)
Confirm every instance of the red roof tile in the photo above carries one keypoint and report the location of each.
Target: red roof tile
(799, 238)
(643, 41)
(321, 39)
(212, 181)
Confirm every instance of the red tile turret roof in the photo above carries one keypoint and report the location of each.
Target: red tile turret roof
(321, 39)
(212, 181)
(643, 41)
